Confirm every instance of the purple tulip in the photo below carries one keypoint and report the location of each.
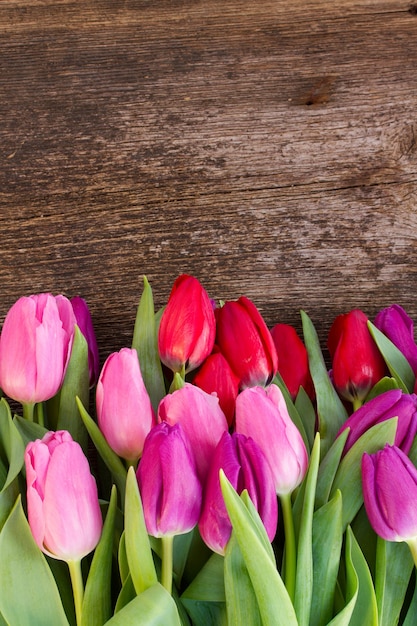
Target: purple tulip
(262, 414)
(168, 482)
(35, 346)
(200, 416)
(85, 324)
(399, 328)
(389, 482)
(246, 467)
(124, 410)
(392, 403)
(63, 507)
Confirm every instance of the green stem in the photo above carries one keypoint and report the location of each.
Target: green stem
(412, 544)
(77, 587)
(290, 547)
(167, 562)
(28, 410)
(356, 403)
(40, 414)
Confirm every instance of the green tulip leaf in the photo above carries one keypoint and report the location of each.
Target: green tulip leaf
(328, 468)
(397, 364)
(307, 413)
(138, 549)
(62, 410)
(292, 409)
(7, 499)
(153, 607)
(410, 618)
(204, 599)
(258, 524)
(394, 565)
(331, 412)
(12, 448)
(109, 457)
(97, 597)
(274, 603)
(26, 579)
(145, 342)
(126, 595)
(349, 476)
(365, 610)
(385, 384)
(241, 601)
(304, 573)
(327, 546)
(29, 431)
(122, 558)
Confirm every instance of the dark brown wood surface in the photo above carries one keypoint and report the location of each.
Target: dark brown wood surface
(267, 147)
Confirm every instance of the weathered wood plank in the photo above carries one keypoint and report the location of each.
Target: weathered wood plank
(268, 148)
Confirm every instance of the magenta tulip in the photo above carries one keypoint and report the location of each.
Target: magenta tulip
(389, 482)
(85, 324)
(246, 343)
(187, 328)
(393, 403)
(399, 328)
(357, 364)
(124, 410)
(168, 482)
(292, 360)
(262, 414)
(63, 507)
(246, 467)
(35, 346)
(216, 376)
(201, 418)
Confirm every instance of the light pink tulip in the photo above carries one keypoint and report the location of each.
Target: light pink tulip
(168, 482)
(124, 410)
(201, 418)
(262, 414)
(35, 346)
(63, 508)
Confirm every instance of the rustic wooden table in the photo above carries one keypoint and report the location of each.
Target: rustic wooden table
(268, 147)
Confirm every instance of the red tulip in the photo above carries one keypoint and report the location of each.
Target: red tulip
(216, 376)
(246, 467)
(63, 507)
(357, 364)
(187, 328)
(292, 360)
(245, 341)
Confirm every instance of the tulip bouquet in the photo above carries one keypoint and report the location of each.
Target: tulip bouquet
(214, 472)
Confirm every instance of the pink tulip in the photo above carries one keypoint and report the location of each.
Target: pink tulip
(399, 328)
(168, 482)
(35, 346)
(187, 328)
(216, 376)
(262, 414)
(63, 507)
(246, 343)
(246, 467)
(85, 324)
(124, 410)
(201, 418)
(389, 481)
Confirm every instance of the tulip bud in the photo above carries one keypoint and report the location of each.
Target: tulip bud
(35, 346)
(357, 363)
(187, 328)
(216, 376)
(63, 508)
(246, 467)
(399, 328)
(392, 403)
(124, 410)
(292, 360)
(262, 414)
(246, 343)
(389, 482)
(85, 324)
(201, 418)
(168, 482)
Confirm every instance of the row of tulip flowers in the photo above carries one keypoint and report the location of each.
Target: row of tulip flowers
(226, 477)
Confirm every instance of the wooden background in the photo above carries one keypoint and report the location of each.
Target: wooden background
(267, 147)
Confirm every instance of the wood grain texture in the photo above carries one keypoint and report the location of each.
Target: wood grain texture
(267, 147)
